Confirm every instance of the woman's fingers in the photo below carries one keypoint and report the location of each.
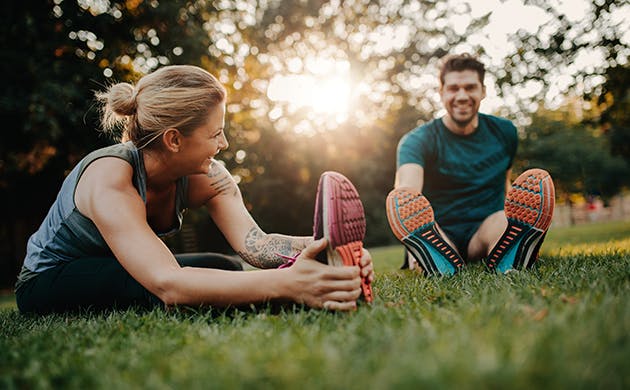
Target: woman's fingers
(367, 267)
(313, 249)
(343, 296)
(340, 306)
(328, 287)
(343, 286)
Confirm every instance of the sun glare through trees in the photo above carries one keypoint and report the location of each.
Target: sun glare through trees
(320, 85)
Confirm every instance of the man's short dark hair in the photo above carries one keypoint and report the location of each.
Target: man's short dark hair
(460, 62)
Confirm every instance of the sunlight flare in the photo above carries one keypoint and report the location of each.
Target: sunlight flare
(323, 93)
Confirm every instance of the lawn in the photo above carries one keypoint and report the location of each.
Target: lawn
(565, 324)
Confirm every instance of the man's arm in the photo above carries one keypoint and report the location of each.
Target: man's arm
(508, 181)
(410, 175)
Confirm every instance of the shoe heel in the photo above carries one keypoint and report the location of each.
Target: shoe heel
(350, 254)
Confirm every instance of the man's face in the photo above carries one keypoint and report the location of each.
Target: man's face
(461, 95)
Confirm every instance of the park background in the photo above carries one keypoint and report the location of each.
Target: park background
(315, 86)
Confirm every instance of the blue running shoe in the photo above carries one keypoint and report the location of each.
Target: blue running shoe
(411, 218)
(528, 208)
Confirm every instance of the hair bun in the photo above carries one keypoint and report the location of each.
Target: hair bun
(122, 99)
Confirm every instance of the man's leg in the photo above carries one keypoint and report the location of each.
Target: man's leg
(487, 236)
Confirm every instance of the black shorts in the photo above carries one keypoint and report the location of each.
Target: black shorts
(100, 283)
(461, 234)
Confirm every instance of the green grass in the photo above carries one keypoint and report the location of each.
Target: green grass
(565, 324)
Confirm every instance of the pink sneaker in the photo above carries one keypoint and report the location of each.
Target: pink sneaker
(340, 218)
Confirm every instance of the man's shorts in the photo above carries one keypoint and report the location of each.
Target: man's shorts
(459, 234)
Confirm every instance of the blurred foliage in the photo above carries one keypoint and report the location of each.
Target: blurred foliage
(551, 57)
(615, 104)
(561, 43)
(57, 52)
(577, 156)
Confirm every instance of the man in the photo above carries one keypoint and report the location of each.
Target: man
(455, 171)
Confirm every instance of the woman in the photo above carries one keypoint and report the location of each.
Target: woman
(100, 246)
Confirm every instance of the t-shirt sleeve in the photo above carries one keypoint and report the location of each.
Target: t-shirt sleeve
(512, 136)
(507, 134)
(412, 148)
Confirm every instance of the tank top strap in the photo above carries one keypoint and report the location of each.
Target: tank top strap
(125, 151)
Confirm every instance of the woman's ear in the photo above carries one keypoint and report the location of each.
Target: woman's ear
(172, 139)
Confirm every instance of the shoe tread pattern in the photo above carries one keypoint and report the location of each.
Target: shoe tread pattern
(529, 209)
(346, 223)
(412, 221)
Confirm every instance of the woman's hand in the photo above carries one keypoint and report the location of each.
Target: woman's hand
(322, 286)
(367, 267)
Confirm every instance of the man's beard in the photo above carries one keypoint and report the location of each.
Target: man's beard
(466, 122)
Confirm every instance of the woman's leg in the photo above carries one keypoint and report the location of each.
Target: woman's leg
(101, 283)
(89, 283)
(210, 260)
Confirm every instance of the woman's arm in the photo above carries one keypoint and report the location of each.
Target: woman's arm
(219, 192)
(106, 196)
(263, 250)
(258, 248)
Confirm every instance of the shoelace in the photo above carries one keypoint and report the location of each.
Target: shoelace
(289, 259)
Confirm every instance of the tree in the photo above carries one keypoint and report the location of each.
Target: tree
(49, 124)
(614, 101)
(577, 156)
(58, 52)
(586, 56)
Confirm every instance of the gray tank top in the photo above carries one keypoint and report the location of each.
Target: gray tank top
(66, 235)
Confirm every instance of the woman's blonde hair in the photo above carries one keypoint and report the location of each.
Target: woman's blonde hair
(175, 96)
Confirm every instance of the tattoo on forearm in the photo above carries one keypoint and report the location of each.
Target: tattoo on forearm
(261, 250)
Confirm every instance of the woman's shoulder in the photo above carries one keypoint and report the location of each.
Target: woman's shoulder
(203, 187)
(103, 181)
(125, 151)
(113, 162)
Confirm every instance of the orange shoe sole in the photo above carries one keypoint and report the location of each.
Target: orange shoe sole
(529, 209)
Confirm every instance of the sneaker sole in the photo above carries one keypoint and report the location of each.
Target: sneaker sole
(411, 218)
(529, 208)
(344, 225)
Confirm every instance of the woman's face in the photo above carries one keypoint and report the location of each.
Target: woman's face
(206, 141)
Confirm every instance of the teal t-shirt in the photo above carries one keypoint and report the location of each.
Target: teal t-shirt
(464, 176)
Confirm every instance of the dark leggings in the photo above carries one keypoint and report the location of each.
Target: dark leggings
(100, 283)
